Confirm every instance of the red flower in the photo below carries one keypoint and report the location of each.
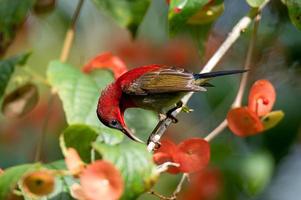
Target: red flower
(262, 97)
(192, 155)
(100, 180)
(167, 152)
(244, 122)
(106, 60)
(257, 117)
(205, 185)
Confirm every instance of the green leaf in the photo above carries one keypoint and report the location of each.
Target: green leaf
(142, 121)
(80, 137)
(294, 11)
(255, 3)
(7, 68)
(134, 162)
(272, 119)
(12, 15)
(154, 26)
(255, 172)
(127, 13)
(78, 92)
(181, 10)
(62, 184)
(11, 176)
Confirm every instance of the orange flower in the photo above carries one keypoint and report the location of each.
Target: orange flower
(106, 60)
(262, 97)
(244, 122)
(1, 171)
(167, 152)
(195, 154)
(192, 155)
(38, 183)
(73, 162)
(205, 185)
(100, 180)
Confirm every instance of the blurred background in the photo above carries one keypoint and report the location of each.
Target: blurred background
(266, 166)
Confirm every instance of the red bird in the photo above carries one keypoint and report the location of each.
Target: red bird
(151, 87)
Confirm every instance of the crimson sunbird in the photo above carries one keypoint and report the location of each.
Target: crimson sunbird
(151, 87)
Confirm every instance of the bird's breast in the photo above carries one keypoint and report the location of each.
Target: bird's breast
(156, 102)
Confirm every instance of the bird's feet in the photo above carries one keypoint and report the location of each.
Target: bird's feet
(169, 113)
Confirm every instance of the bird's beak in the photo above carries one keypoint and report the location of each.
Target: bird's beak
(129, 133)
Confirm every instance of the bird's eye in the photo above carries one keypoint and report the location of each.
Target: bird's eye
(114, 122)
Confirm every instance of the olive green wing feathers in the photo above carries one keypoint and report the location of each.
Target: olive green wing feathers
(164, 80)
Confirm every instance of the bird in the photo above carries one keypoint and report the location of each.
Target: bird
(153, 87)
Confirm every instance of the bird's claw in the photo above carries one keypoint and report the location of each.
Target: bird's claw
(186, 109)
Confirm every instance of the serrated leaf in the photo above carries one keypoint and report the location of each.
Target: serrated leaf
(7, 68)
(272, 119)
(80, 137)
(255, 3)
(12, 14)
(294, 10)
(10, 177)
(127, 13)
(135, 164)
(78, 92)
(181, 10)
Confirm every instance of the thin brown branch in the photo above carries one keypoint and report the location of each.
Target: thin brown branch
(238, 99)
(230, 40)
(180, 186)
(160, 196)
(175, 193)
(70, 33)
(42, 136)
(64, 56)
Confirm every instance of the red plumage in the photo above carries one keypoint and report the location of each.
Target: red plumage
(152, 87)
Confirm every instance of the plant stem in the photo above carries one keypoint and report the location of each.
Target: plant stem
(70, 33)
(230, 40)
(41, 139)
(242, 86)
(64, 56)
(180, 186)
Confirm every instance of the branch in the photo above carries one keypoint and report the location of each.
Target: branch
(230, 40)
(64, 55)
(243, 82)
(180, 186)
(175, 193)
(70, 33)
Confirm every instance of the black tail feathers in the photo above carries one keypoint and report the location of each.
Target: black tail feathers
(218, 73)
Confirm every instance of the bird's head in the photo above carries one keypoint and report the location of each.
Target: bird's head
(110, 113)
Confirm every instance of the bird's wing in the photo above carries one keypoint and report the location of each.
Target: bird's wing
(162, 80)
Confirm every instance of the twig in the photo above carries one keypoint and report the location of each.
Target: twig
(164, 167)
(44, 129)
(175, 193)
(70, 33)
(160, 196)
(238, 99)
(180, 186)
(64, 55)
(230, 40)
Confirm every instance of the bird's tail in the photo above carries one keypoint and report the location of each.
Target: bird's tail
(218, 73)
